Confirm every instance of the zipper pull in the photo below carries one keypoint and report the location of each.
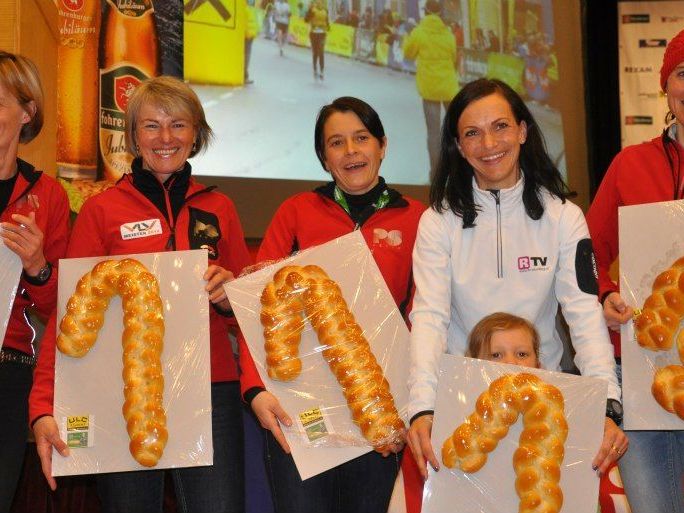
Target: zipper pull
(171, 243)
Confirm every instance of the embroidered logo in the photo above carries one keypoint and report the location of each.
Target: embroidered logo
(138, 229)
(532, 263)
(389, 238)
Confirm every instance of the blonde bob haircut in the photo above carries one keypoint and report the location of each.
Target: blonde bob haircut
(480, 338)
(175, 98)
(19, 76)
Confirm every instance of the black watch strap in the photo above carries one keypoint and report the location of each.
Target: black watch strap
(42, 277)
(614, 411)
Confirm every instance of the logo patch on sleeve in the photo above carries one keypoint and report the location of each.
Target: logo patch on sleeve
(585, 267)
(137, 229)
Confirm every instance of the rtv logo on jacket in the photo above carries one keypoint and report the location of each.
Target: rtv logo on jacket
(532, 263)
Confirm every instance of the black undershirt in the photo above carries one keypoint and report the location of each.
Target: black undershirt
(6, 188)
(176, 186)
(360, 205)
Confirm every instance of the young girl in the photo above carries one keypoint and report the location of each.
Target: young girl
(505, 338)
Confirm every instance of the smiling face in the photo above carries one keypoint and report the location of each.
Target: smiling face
(489, 138)
(675, 97)
(514, 346)
(164, 141)
(12, 118)
(352, 154)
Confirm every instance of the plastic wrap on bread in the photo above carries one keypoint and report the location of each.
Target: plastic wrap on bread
(298, 292)
(652, 283)
(537, 460)
(330, 343)
(143, 343)
(514, 439)
(132, 370)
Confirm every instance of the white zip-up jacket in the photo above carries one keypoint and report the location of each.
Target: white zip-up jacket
(507, 262)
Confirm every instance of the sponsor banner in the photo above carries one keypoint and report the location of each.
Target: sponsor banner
(214, 41)
(644, 29)
(340, 40)
(508, 68)
(473, 64)
(299, 32)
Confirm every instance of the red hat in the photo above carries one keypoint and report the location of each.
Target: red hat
(674, 55)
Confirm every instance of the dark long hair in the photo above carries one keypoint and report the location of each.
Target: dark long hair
(367, 114)
(452, 184)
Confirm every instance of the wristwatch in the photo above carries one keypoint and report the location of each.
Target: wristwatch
(614, 411)
(43, 275)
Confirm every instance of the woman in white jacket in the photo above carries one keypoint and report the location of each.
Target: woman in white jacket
(501, 236)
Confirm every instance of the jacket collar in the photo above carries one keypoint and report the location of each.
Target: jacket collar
(396, 200)
(508, 198)
(26, 179)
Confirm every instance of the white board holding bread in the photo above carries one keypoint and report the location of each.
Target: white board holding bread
(651, 238)
(136, 394)
(300, 350)
(489, 484)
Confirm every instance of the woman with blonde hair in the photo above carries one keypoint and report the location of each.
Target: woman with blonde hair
(165, 126)
(34, 222)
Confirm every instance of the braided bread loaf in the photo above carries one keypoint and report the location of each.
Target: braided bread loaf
(654, 329)
(143, 340)
(663, 309)
(668, 389)
(309, 290)
(540, 451)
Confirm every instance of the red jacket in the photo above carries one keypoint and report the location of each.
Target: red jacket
(52, 217)
(313, 218)
(98, 231)
(639, 174)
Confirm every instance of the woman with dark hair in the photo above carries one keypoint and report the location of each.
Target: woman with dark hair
(350, 143)
(501, 236)
(650, 172)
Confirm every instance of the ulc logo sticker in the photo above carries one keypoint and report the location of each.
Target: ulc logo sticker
(138, 229)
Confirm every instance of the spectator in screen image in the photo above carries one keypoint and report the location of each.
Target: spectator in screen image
(650, 172)
(317, 18)
(367, 19)
(431, 44)
(251, 32)
(494, 42)
(281, 16)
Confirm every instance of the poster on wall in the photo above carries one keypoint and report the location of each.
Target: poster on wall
(644, 29)
(106, 48)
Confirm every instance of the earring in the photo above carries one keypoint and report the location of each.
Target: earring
(194, 145)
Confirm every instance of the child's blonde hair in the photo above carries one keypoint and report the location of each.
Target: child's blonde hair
(480, 337)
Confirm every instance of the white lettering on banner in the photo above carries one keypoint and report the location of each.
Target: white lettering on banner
(137, 229)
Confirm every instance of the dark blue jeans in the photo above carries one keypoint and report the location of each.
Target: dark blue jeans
(214, 489)
(362, 485)
(15, 385)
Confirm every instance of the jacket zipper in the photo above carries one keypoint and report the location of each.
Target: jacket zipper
(499, 243)
(171, 243)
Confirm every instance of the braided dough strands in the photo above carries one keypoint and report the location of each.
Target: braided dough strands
(655, 328)
(540, 451)
(308, 290)
(143, 341)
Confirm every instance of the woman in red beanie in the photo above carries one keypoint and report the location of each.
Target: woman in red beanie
(653, 468)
